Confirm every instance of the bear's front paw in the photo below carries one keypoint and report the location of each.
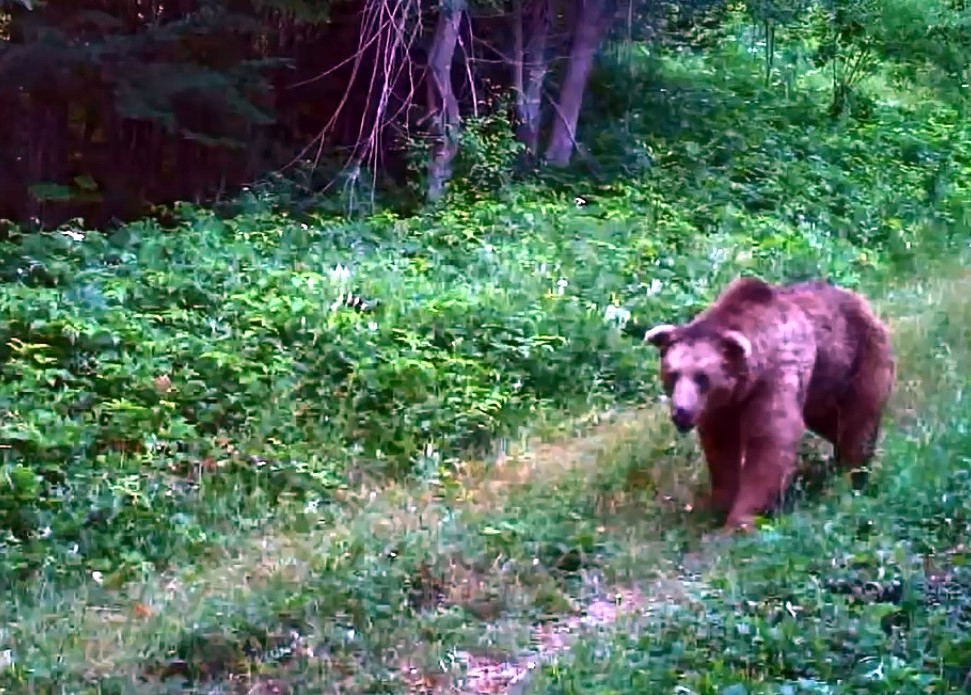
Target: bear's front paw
(720, 499)
(739, 523)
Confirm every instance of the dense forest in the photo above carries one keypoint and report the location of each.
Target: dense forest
(115, 107)
(321, 343)
(112, 108)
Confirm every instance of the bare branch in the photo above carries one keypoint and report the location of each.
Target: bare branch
(468, 69)
(383, 33)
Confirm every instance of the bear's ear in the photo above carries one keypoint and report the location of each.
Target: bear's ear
(736, 346)
(661, 336)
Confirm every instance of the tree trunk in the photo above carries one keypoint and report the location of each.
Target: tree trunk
(592, 17)
(441, 99)
(530, 68)
(518, 60)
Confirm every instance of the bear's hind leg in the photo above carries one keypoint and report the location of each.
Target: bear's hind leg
(857, 441)
(860, 410)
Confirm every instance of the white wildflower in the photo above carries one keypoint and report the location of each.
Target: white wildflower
(718, 255)
(7, 659)
(561, 286)
(616, 314)
(372, 325)
(98, 577)
(655, 287)
(340, 273)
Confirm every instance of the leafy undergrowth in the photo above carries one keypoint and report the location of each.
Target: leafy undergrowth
(219, 470)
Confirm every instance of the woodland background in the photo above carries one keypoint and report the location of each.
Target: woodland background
(111, 108)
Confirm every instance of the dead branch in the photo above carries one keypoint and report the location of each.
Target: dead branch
(383, 31)
(468, 68)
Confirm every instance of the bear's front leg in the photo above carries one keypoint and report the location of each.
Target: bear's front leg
(722, 446)
(771, 440)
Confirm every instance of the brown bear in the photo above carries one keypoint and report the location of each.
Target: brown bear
(759, 366)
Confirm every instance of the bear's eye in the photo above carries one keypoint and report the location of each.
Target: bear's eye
(702, 381)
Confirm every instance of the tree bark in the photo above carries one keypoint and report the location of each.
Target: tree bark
(592, 18)
(441, 98)
(531, 69)
(518, 58)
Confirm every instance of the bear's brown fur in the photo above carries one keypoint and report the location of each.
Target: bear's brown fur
(761, 365)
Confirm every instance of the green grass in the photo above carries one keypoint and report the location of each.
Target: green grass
(202, 458)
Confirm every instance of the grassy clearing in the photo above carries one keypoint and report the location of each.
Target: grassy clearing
(216, 473)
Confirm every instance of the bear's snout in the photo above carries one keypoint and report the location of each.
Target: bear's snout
(683, 419)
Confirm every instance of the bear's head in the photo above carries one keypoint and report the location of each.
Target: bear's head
(699, 368)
